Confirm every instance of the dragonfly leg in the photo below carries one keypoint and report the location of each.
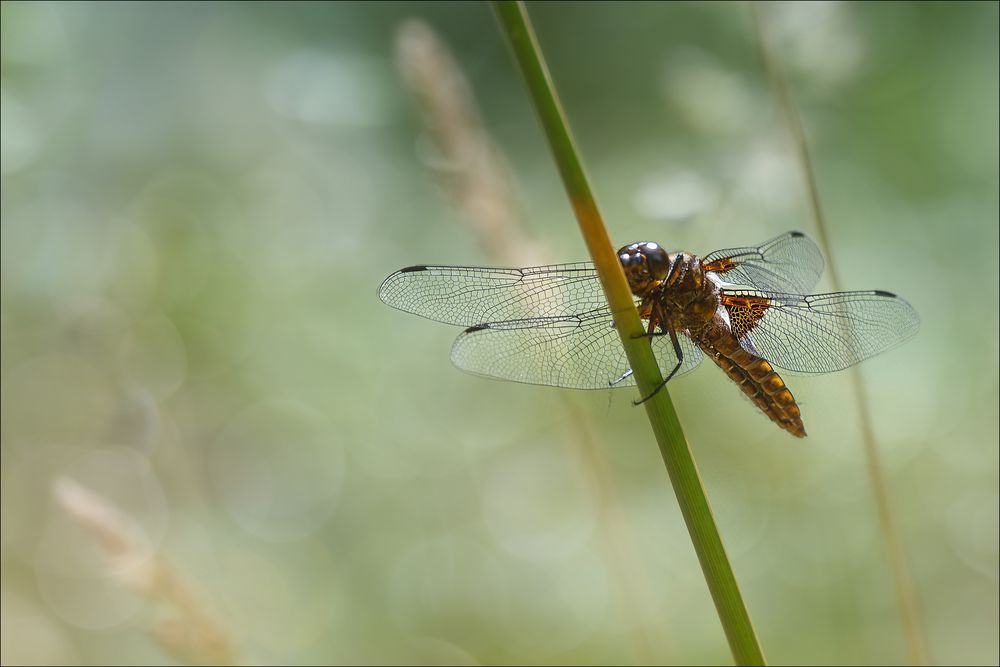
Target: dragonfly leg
(680, 360)
(651, 331)
(622, 377)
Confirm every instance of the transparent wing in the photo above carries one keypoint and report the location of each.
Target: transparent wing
(819, 333)
(470, 295)
(577, 351)
(788, 263)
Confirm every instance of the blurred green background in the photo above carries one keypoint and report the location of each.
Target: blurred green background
(200, 200)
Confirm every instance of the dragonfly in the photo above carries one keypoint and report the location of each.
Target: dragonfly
(748, 309)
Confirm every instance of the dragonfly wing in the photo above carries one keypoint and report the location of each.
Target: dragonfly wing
(471, 295)
(576, 351)
(819, 333)
(788, 263)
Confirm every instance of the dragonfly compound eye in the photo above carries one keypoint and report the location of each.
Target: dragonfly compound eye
(657, 260)
(645, 265)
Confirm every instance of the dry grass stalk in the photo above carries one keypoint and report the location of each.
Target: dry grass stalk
(191, 634)
(472, 169)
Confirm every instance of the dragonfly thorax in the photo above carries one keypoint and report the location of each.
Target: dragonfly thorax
(673, 281)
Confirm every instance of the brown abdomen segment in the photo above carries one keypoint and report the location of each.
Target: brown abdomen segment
(758, 380)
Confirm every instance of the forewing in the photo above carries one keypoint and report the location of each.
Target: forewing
(471, 295)
(819, 333)
(578, 352)
(788, 263)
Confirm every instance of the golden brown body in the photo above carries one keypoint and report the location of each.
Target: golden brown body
(755, 376)
(679, 298)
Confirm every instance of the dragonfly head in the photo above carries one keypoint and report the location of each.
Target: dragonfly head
(646, 264)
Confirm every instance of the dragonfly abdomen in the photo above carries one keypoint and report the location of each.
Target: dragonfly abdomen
(758, 380)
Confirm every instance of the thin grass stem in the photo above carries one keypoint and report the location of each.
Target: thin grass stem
(906, 597)
(669, 435)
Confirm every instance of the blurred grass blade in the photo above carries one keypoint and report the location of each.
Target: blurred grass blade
(903, 582)
(191, 634)
(663, 418)
(467, 162)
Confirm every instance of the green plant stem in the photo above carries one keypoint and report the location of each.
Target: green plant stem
(906, 597)
(666, 427)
